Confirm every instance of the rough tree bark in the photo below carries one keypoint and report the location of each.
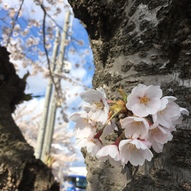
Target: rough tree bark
(19, 170)
(142, 41)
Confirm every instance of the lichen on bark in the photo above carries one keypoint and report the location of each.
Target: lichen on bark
(142, 41)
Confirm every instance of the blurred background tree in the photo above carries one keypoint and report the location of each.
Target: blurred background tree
(28, 31)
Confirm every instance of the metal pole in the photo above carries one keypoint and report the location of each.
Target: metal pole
(51, 119)
(41, 133)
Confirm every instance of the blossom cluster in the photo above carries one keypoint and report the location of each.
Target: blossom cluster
(141, 120)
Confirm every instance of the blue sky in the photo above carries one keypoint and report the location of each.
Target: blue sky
(81, 59)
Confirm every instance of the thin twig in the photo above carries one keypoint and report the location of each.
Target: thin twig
(14, 22)
(45, 49)
(54, 21)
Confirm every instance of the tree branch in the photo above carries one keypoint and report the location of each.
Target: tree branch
(14, 22)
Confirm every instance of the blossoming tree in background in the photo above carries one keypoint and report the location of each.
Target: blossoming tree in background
(28, 31)
(63, 150)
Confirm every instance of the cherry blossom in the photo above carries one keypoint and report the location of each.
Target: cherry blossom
(145, 121)
(82, 120)
(158, 136)
(96, 105)
(111, 153)
(170, 113)
(144, 100)
(178, 120)
(109, 128)
(86, 138)
(134, 151)
(135, 127)
(84, 133)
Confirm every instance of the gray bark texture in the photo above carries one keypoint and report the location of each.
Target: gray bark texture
(149, 42)
(19, 170)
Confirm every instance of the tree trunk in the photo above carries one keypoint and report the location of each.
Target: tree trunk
(19, 170)
(149, 42)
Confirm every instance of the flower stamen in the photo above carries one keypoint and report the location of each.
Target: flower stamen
(132, 148)
(154, 131)
(144, 100)
(99, 105)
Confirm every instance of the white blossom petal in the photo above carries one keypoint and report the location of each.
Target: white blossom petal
(134, 151)
(144, 100)
(135, 127)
